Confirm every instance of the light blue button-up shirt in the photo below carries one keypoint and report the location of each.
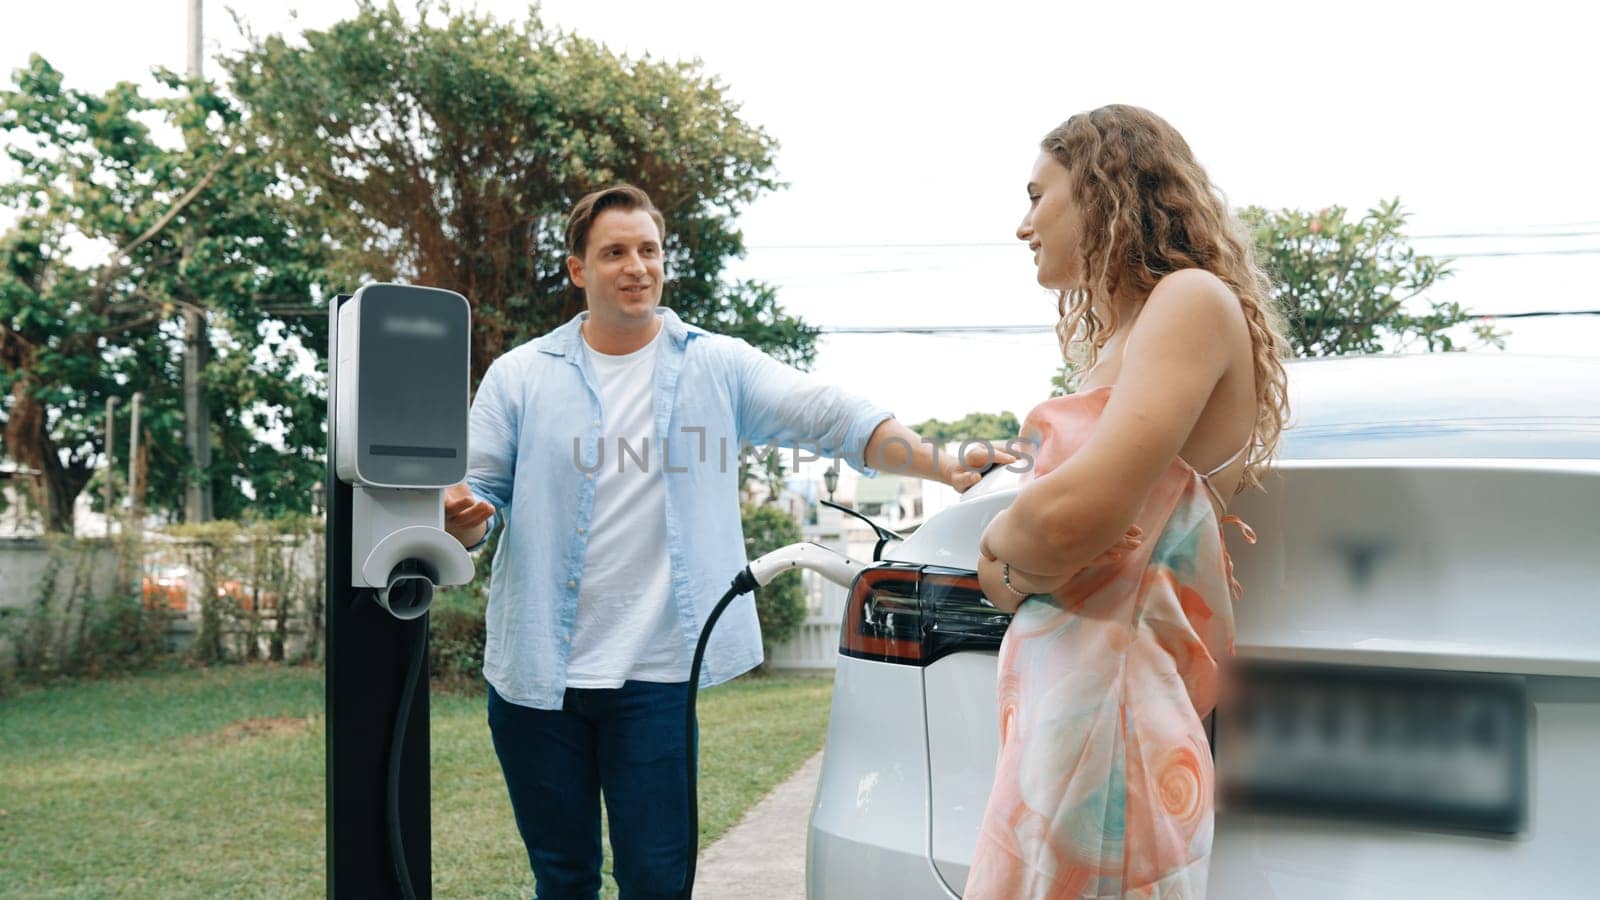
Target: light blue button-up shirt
(536, 430)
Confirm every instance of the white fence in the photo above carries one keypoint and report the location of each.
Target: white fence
(816, 646)
(75, 572)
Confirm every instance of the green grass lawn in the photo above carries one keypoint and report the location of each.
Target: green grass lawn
(210, 783)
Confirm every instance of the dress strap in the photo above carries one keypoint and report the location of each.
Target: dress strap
(1212, 490)
(1205, 478)
(1245, 531)
(1232, 459)
(1235, 590)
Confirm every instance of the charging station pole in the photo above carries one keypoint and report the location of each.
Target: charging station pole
(367, 654)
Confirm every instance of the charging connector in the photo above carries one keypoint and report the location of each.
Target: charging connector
(834, 566)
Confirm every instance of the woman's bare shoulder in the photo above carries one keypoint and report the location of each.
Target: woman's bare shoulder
(1194, 288)
(1199, 303)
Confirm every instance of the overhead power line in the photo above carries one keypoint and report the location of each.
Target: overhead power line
(1514, 235)
(1039, 329)
(930, 246)
(1565, 251)
(1539, 315)
(934, 329)
(293, 311)
(1459, 235)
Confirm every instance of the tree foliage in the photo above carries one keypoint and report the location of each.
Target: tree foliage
(1348, 286)
(780, 605)
(133, 207)
(1355, 285)
(379, 149)
(974, 426)
(1065, 380)
(439, 142)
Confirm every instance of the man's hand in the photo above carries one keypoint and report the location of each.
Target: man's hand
(979, 458)
(897, 450)
(465, 515)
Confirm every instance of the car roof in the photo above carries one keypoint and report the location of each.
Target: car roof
(1482, 404)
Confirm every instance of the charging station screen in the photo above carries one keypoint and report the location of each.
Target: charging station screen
(415, 347)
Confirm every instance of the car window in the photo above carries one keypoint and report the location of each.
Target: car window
(1447, 438)
(1446, 406)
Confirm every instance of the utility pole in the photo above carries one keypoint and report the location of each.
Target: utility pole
(194, 38)
(111, 469)
(133, 465)
(196, 352)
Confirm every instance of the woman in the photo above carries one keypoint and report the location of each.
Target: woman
(1104, 782)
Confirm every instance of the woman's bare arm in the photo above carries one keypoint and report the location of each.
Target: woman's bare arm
(1176, 355)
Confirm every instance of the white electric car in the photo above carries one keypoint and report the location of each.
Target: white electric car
(1418, 712)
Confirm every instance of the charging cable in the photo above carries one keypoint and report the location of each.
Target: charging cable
(415, 670)
(835, 567)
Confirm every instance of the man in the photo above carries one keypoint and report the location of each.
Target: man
(608, 449)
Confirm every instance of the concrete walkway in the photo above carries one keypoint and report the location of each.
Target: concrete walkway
(764, 856)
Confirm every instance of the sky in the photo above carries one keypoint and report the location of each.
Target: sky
(900, 124)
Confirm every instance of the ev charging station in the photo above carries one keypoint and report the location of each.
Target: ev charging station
(399, 374)
(399, 371)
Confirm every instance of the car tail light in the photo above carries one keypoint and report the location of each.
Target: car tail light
(913, 615)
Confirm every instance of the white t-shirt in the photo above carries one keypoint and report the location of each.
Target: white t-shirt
(626, 627)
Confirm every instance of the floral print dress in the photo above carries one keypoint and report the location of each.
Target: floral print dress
(1104, 785)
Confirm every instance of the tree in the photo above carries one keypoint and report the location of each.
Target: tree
(438, 143)
(1355, 286)
(50, 384)
(1065, 380)
(978, 426)
(195, 223)
(781, 605)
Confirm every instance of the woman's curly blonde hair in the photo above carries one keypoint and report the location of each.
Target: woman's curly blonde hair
(1148, 210)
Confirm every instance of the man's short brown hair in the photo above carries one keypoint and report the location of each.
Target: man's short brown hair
(619, 196)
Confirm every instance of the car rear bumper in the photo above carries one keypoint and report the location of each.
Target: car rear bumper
(870, 831)
(1272, 856)
(839, 867)
(868, 836)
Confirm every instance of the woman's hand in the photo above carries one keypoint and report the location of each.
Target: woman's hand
(994, 586)
(992, 578)
(1132, 539)
(992, 574)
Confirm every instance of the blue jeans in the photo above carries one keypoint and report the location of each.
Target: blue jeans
(626, 743)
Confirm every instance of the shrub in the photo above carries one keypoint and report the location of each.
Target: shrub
(257, 586)
(84, 617)
(781, 605)
(99, 607)
(123, 635)
(455, 647)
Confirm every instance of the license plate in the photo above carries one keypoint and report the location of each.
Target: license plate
(1424, 748)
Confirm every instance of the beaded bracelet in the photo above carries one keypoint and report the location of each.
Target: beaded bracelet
(1005, 576)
